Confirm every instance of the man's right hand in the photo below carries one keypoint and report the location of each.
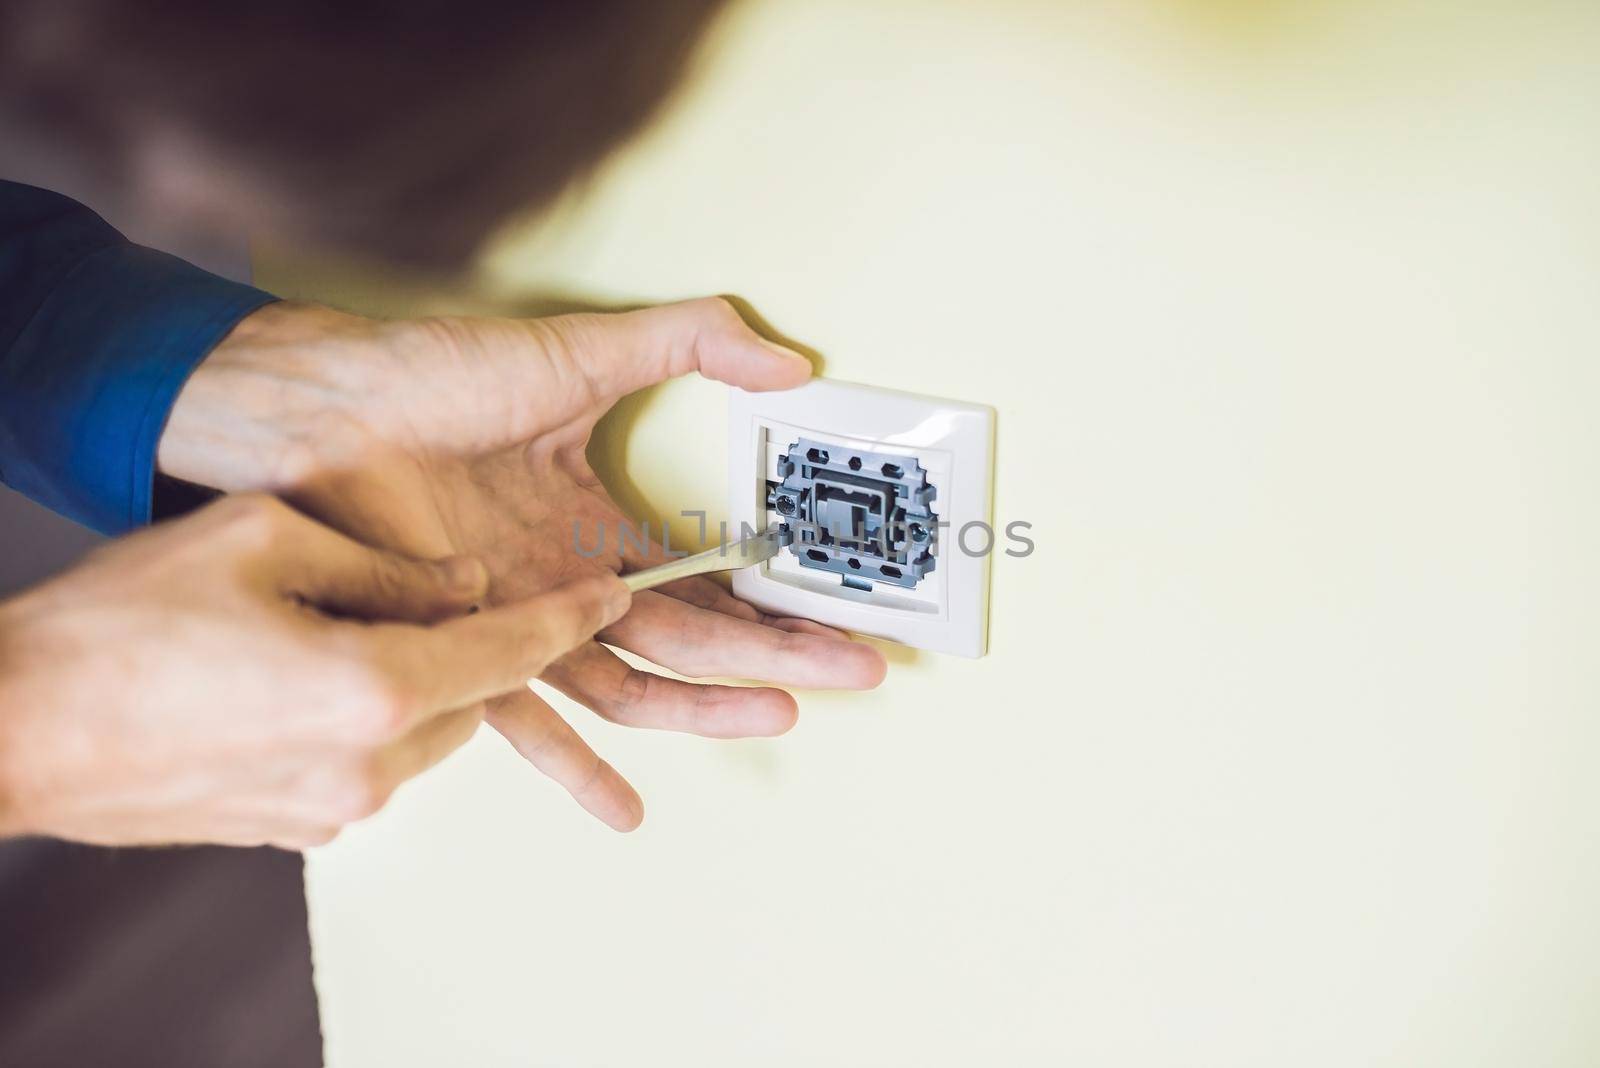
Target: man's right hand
(245, 675)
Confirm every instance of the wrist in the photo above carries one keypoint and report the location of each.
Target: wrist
(241, 420)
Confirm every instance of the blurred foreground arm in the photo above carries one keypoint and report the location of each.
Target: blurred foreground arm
(205, 681)
(245, 676)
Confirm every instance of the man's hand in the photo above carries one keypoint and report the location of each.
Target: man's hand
(247, 676)
(444, 436)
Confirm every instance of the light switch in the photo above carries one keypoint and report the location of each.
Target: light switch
(884, 502)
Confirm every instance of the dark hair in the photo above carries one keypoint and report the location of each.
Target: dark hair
(405, 129)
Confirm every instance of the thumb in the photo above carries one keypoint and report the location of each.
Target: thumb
(630, 350)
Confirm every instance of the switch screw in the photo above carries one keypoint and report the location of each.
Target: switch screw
(785, 505)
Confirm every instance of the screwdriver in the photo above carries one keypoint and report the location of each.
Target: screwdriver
(747, 551)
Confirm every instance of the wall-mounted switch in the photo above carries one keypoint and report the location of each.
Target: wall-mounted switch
(861, 514)
(872, 490)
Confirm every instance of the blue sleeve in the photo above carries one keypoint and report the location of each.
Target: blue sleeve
(97, 336)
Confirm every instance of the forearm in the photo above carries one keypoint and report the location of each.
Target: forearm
(242, 418)
(97, 336)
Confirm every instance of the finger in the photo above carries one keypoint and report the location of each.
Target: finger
(497, 651)
(546, 741)
(597, 678)
(696, 642)
(344, 577)
(710, 595)
(425, 746)
(617, 354)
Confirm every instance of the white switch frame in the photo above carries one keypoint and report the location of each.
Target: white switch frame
(953, 439)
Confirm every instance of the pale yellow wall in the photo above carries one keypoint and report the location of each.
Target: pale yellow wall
(1284, 751)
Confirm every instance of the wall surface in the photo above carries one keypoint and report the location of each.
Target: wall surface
(1283, 753)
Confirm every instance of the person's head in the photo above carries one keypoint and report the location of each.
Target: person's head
(405, 129)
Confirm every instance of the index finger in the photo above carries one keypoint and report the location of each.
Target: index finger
(497, 651)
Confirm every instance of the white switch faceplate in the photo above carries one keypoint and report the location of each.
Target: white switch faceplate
(947, 609)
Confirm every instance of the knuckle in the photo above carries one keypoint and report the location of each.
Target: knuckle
(560, 337)
(359, 794)
(590, 779)
(562, 342)
(633, 692)
(596, 613)
(703, 712)
(719, 311)
(376, 711)
(388, 577)
(255, 519)
(532, 654)
(693, 642)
